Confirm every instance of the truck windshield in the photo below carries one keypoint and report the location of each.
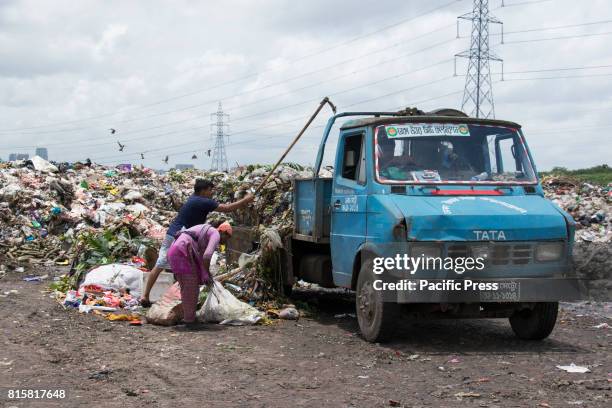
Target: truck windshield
(451, 152)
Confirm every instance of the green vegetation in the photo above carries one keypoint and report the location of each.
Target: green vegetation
(95, 249)
(601, 175)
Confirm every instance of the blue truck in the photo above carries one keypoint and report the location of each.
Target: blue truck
(436, 186)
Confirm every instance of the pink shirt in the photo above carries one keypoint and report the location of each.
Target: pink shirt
(186, 255)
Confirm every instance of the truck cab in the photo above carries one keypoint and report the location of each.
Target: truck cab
(444, 188)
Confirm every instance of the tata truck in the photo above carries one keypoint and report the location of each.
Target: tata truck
(436, 186)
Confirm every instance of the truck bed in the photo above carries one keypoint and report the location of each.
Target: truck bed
(311, 209)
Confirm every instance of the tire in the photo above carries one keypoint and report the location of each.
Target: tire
(377, 319)
(536, 323)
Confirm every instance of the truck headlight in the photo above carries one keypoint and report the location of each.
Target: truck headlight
(426, 250)
(549, 251)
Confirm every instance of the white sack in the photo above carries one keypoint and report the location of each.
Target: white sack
(222, 307)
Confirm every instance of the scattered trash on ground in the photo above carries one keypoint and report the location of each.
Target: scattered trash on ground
(345, 315)
(573, 368)
(32, 278)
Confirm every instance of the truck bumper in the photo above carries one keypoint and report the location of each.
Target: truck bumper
(486, 290)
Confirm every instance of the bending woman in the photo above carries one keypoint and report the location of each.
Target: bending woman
(189, 256)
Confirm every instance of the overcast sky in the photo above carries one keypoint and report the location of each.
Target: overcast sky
(154, 71)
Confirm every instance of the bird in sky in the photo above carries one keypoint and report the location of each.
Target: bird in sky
(194, 156)
(142, 156)
(166, 160)
(113, 131)
(208, 152)
(121, 146)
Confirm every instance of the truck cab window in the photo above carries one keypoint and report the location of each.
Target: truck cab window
(439, 153)
(353, 160)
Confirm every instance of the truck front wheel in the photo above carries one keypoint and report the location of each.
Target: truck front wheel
(377, 319)
(536, 323)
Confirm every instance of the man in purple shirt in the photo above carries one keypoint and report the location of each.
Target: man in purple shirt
(193, 212)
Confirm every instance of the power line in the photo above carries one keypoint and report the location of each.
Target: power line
(294, 120)
(289, 106)
(556, 77)
(567, 37)
(523, 3)
(557, 69)
(605, 126)
(530, 30)
(322, 50)
(214, 100)
(344, 91)
(181, 131)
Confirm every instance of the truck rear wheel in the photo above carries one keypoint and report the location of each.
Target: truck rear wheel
(536, 323)
(377, 319)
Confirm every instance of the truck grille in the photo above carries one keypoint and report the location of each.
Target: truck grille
(499, 253)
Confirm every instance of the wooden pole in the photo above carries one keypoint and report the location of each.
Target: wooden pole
(314, 115)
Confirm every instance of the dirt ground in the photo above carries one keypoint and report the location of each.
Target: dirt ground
(319, 361)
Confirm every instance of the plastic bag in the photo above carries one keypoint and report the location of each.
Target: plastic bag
(41, 164)
(271, 240)
(168, 310)
(222, 307)
(116, 276)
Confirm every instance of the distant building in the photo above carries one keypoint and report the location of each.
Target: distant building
(42, 152)
(184, 166)
(18, 156)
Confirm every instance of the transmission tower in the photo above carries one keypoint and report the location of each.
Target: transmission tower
(478, 92)
(219, 132)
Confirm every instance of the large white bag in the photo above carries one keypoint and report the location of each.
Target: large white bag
(116, 276)
(222, 307)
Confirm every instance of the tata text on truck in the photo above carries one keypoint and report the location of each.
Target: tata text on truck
(462, 195)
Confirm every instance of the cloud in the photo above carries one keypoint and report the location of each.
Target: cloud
(105, 47)
(155, 71)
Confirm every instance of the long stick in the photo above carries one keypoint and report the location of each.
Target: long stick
(314, 115)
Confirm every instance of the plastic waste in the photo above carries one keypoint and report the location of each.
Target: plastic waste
(116, 276)
(31, 278)
(132, 196)
(289, 313)
(41, 164)
(271, 240)
(573, 368)
(168, 311)
(222, 307)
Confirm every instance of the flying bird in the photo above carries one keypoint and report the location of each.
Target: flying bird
(194, 156)
(208, 152)
(121, 146)
(142, 156)
(166, 160)
(113, 131)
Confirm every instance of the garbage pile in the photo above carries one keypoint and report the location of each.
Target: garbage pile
(591, 208)
(85, 215)
(590, 205)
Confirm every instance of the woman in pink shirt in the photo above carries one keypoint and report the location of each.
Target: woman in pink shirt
(189, 256)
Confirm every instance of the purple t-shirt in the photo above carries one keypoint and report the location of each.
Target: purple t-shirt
(193, 212)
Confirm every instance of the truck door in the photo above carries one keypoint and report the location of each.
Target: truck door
(348, 205)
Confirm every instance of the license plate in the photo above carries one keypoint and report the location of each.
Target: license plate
(506, 292)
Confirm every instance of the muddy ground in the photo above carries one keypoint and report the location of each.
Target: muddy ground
(319, 361)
